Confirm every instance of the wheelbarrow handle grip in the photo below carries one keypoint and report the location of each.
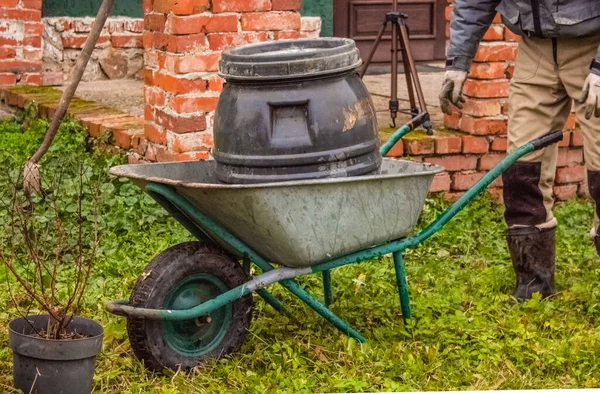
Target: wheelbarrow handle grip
(547, 139)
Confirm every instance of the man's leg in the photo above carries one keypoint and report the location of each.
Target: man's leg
(538, 103)
(575, 57)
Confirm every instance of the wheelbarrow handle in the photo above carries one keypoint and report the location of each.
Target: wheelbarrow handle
(547, 139)
(402, 131)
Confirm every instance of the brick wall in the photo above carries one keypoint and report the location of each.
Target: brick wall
(119, 52)
(20, 42)
(482, 123)
(183, 42)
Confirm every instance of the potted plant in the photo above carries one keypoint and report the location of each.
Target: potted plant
(48, 244)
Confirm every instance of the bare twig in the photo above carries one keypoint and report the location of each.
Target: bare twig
(31, 171)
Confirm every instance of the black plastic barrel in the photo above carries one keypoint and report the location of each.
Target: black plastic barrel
(294, 109)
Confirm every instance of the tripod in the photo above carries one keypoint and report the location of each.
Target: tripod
(400, 42)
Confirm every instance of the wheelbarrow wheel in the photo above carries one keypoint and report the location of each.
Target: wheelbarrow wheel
(182, 277)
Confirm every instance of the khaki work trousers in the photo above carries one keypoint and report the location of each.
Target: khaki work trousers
(549, 74)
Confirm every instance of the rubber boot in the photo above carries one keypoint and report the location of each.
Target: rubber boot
(533, 254)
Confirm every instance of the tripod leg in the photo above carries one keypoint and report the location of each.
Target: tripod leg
(394, 88)
(373, 49)
(415, 76)
(408, 74)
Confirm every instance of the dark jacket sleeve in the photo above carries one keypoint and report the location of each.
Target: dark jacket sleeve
(470, 20)
(596, 70)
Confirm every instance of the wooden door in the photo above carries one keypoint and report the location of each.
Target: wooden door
(362, 19)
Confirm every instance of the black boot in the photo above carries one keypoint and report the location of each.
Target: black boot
(533, 254)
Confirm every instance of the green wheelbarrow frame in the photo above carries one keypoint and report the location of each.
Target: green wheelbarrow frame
(195, 221)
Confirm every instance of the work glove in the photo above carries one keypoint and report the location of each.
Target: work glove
(452, 87)
(590, 96)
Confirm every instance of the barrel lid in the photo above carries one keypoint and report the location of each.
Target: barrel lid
(289, 59)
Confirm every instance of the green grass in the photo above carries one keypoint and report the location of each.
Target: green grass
(466, 333)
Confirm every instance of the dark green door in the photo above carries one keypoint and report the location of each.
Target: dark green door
(78, 8)
(322, 8)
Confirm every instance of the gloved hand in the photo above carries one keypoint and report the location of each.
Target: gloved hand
(590, 96)
(452, 90)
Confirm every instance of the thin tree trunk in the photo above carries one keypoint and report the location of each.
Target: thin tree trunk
(31, 175)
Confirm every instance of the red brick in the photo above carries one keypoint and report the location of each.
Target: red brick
(164, 155)
(215, 83)
(31, 79)
(287, 5)
(155, 133)
(497, 18)
(510, 36)
(451, 121)
(483, 126)
(570, 174)
(499, 144)
(461, 182)
(565, 192)
(486, 89)
(495, 52)
(441, 183)
(289, 35)
(7, 52)
(454, 163)
(494, 70)
(397, 150)
(32, 4)
(180, 44)
(189, 142)
(93, 122)
(181, 124)
(510, 70)
(569, 157)
(577, 138)
(475, 144)
(21, 15)
(271, 21)
(220, 41)
(147, 6)
(448, 13)
(19, 66)
(445, 144)
(154, 96)
(193, 63)
(219, 6)
(53, 78)
(482, 107)
(155, 22)
(126, 40)
(9, 3)
(78, 41)
(34, 28)
(571, 122)
(33, 40)
(8, 79)
(494, 33)
(181, 7)
(149, 113)
(32, 54)
(421, 146)
(202, 24)
(124, 137)
(183, 104)
(489, 161)
(564, 143)
(176, 85)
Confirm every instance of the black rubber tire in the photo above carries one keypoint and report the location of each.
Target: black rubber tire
(151, 290)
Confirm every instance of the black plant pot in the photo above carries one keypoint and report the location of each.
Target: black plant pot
(43, 366)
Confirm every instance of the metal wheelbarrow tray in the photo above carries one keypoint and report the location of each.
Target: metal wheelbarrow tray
(300, 223)
(193, 301)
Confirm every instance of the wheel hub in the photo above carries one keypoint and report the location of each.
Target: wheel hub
(198, 336)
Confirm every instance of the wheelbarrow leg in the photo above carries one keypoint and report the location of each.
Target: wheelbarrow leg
(271, 300)
(402, 285)
(327, 287)
(326, 313)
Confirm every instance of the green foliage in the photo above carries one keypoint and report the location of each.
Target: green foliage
(466, 332)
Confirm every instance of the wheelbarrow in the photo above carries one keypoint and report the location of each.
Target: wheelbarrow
(194, 300)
